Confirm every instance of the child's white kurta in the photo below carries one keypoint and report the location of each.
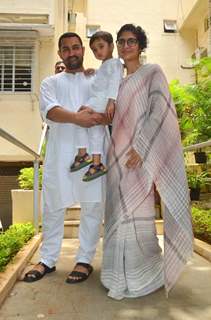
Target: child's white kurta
(104, 87)
(60, 187)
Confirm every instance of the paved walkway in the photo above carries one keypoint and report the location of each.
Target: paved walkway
(53, 299)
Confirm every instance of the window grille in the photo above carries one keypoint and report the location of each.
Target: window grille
(16, 65)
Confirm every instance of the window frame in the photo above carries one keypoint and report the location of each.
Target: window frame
(21, 40)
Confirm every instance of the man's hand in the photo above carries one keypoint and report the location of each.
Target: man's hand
(134, 159)
(89, 72)
(87, 118)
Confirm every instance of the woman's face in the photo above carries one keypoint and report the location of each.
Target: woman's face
(128, 47)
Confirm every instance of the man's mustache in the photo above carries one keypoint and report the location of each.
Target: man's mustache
(72, 58)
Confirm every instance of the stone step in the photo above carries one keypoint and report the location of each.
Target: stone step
(73, 213)
(71, 228)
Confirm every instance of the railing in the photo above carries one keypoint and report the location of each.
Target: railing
(198, 146)
(37, 158)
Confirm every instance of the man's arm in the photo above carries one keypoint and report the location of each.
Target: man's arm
(84, 118)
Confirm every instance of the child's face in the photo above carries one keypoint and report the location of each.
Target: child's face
(102, 49)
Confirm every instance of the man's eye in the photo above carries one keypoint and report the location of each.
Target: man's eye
(76, 47)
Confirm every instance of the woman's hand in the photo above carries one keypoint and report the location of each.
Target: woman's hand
(134, 159)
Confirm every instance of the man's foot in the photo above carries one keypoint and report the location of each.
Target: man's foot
(38, 272)
(94, 172)
(80, 273)
(80, 162)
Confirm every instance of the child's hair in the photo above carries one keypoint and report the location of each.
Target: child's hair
(104, 35)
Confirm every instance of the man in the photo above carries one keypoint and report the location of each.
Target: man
(59, 67)
(61, 97)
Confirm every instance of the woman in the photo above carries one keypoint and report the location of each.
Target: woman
(145, 152)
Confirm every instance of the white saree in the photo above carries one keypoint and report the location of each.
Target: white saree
(146, 120)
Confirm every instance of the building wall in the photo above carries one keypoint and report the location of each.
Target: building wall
(19, 113)
(192, 16)
(168, 50)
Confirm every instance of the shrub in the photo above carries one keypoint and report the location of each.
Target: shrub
(196, 180)
(12, 240)
(202, 224)
(193, 103)
(26, 178)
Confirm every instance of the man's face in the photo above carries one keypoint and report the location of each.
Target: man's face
(72, 53)
(59, 67)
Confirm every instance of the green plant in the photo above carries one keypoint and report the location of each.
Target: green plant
(12, 240)
(196, 180)
(26, 178)
(201, 220)
(193, 104)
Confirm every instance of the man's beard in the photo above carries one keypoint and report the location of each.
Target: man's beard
(74, 62)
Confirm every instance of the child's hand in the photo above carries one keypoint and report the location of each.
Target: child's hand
(89, 72)
(110, 109)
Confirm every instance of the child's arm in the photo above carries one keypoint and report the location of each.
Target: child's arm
(115, 71)
(110, 109)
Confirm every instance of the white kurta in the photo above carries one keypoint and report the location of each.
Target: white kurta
(104, 87)
(106, 84)
(60, 187)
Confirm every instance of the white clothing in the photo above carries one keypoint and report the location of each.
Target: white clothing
(89, 233)
(104, 87)
(61, 188)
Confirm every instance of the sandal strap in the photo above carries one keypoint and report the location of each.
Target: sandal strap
(85, 265)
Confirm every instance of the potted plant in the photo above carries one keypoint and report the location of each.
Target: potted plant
(22, 199)
(200, 156)
(195, 182)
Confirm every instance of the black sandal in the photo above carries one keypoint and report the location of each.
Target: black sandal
(80, 162)
(94, 172)
(35, 275)
(82, 276)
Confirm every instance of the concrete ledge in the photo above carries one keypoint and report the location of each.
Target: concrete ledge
(203, 249)
(16, 266)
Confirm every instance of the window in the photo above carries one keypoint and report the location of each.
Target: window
(16, 61)
(170, 26)
(90, 30)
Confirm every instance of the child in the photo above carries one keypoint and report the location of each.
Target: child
(104, 93)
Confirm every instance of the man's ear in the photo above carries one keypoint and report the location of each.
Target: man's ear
(112, 46)
(83, 50)
(59, 54)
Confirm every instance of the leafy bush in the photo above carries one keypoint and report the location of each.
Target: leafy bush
(26, 178)
(196, 180)
(193, 104)
(202, 224)
(12, 240)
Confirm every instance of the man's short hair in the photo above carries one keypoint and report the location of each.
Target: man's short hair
(69, 35)
(104, 35)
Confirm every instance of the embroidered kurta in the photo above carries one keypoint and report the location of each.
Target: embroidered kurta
(146, 120)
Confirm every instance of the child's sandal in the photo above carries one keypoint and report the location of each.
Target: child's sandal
(94, 172)
(80, 162)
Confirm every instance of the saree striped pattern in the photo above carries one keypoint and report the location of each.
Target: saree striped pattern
(146, 120)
